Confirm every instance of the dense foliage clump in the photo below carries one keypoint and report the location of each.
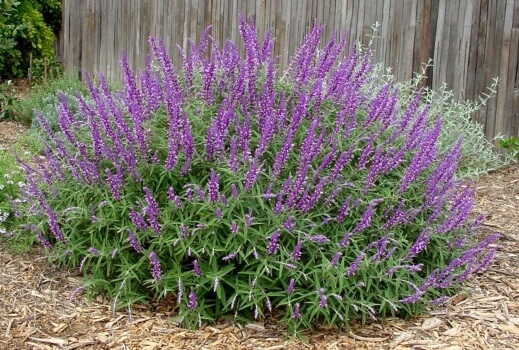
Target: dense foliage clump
(28, 30)
(244, 191)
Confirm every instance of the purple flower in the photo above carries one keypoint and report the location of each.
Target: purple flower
(224, 200)
(345, 240)
(343, 211)
(274, 242)
(365, 221)
(41, 238)
(76, 292)
(192, 304)
(420, 244)
(213, 186)
(197, 269)
(489, 258)
(297, 312)
(323, 300)
(231, 256)
(335, 259)
(319, 239)
(152, 211)
(290, 223)
(179, 292)
(115, 182)
(218, 213)
(282, 156)
(134, 242)
(51, 214)
(268, 192)
(233, 160)
(234, 227)
(269, 304)
(296, 254)
(291, 286)
(200, 193)
(355, 266)
(234, 191)
(93, 251)
(184, 231)
(248, 219)
(137, 220)
(156, 269)
(252, 174)
(381, 248)
(173, 197)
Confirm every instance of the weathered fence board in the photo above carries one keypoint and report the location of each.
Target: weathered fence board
(471, 41)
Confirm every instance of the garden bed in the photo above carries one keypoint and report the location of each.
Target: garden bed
(36, 310)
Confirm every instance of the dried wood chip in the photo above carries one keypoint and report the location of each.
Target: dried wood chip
(405, 336)
(368, 339)
(255, 327)
(55, 341)
(453, 332)
(431, 323)
(511, 329)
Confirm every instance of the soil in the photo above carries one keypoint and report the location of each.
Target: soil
(38, 310)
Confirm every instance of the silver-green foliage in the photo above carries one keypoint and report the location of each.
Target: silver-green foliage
(479, 156)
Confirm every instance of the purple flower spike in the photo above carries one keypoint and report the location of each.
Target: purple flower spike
(230, 256)
(134, 242)
(290, 223)
(355, 266)
(234, 227)
(234, 191)
(213, 186)
(156, 269)
(274, 242)
(248, 219)
(137, 220)
(297, 312)
(296, 254)
(153, 211)
(365, 222)
(93, 251)
(319, 239)
(291, 286)
(196, 268)
(335, 260)
(218, 213)
(193, 303)
(420, 244)
(323, 300)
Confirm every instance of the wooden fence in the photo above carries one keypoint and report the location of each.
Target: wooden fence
(470, 41)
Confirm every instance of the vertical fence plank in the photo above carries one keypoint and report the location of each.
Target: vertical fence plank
(513, 74)
(502, 123)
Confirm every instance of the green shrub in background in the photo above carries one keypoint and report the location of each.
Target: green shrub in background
(7, 100)
(28, 29)
(245, 192)
(511, 145)
(45, 98)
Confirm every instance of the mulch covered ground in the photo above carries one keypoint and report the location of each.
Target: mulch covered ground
(36, 311)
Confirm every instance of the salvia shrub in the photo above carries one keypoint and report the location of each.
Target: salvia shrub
(245, 192)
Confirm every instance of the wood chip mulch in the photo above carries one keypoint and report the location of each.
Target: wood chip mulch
(36, 311)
